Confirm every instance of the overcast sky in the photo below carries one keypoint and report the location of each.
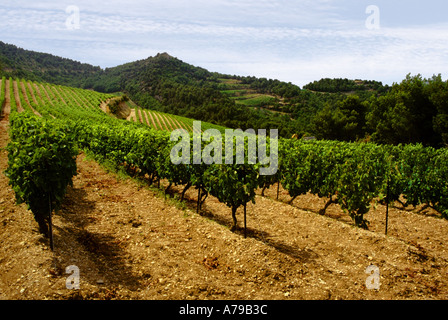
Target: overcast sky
(298, 41)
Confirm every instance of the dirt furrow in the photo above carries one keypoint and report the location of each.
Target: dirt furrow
(7, 106)
(152, 119)
(17, 97)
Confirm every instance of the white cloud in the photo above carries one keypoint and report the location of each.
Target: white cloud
(297, 41)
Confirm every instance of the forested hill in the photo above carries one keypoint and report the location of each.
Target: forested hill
(168, 84)
(16, 62)
(413, 111)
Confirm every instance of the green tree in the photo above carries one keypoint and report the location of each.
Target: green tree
(346, 121)
(438, 95)
(328, 123)
(354, 118)
(405, 114)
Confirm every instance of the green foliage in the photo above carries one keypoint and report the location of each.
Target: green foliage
(409, 113)
(233, 185)
(344, 85)
(257, 101)
(41, 164)
(36, 66)
(345, 122)
(354, 174)
(271, 86)
(421, 176)
(438, 95)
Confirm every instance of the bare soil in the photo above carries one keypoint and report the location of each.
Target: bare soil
(129, 241)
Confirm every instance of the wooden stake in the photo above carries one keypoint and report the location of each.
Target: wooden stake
(278, 188)
(387, 205)
(199, 200)
(50, 224)
(245, 220)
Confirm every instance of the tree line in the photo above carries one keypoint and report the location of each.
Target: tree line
(413, 111)
(344, 85)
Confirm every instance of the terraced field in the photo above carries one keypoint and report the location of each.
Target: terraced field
(243, 95)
